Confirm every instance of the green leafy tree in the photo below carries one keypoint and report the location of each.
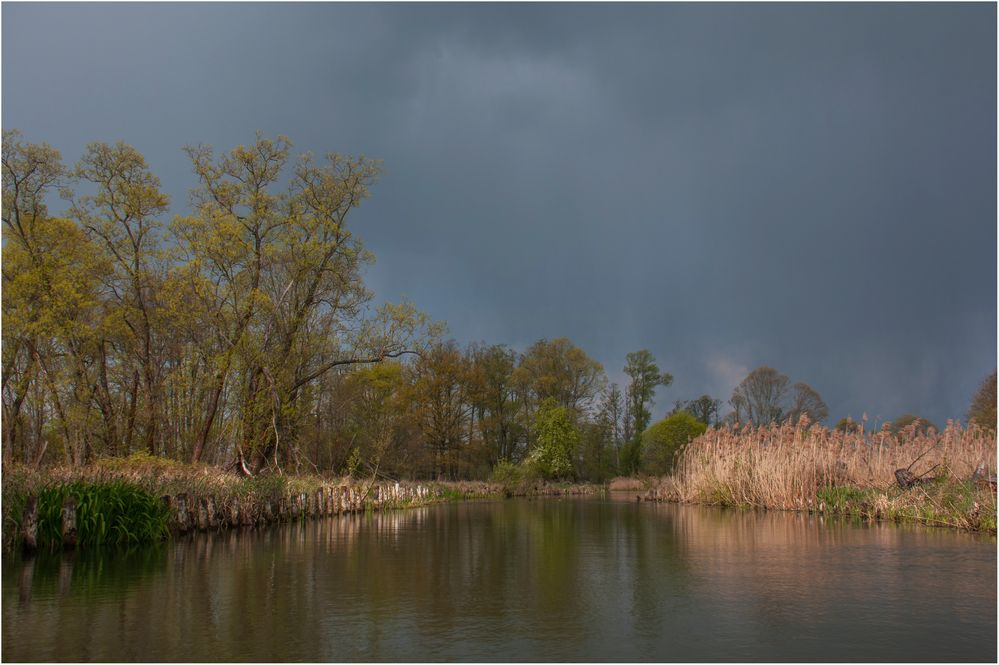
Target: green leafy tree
(645, 378)
(663, 441)
(557, 439)
(559, 370)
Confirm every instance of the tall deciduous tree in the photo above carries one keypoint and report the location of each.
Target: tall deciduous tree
(494, 399)
(645, 378)
(559, 370)
(121, 216)
(440, 402)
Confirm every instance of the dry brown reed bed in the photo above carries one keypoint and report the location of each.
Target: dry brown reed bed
(809, 467)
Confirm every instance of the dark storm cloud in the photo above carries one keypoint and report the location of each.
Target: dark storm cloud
(806, 186)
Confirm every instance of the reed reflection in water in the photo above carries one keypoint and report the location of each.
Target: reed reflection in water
(573, 579)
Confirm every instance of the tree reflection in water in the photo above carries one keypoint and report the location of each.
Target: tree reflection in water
(574, 579)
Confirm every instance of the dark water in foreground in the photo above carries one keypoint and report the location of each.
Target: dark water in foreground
(578, 580)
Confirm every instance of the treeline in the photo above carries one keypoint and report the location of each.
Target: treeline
(215, 334)
(243, 334)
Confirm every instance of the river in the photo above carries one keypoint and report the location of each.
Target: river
(592, 579)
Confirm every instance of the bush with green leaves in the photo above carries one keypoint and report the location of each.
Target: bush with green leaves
(557, 438)
(663, 441)
(114, 512)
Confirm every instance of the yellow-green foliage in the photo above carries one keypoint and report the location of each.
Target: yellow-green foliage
(666, 439)
(557, 439)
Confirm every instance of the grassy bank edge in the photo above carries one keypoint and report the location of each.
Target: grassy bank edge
(201, 497)
(950, 503)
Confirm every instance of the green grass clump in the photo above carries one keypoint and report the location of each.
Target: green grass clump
(842, 498)
(107, 513)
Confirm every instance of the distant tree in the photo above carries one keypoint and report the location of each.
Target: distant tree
(559, 370)
(440, 402)
(645, 378)
(612, 413)
(600, 452)
(904, 421)
(493, 398)
(847, 424)
(759, 399)
(807, 402)
(983, 404)
(557, 438)
(662, 443)
(704, 408)
(375, 414)
(765, 396)
(597, 461)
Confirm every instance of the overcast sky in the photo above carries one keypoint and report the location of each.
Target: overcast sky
(811, 187)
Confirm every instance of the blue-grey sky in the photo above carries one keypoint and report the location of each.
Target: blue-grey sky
(811, 187)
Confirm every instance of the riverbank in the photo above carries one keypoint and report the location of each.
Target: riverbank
(948, 477)
(142, 498)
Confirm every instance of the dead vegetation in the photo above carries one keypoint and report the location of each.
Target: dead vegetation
(809, 467)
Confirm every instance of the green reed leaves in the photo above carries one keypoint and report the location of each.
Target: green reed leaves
(112, 512)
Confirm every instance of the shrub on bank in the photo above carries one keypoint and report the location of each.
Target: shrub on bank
(107, 513)
(665, 440)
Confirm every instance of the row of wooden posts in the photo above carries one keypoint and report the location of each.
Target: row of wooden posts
(189, 514)
(326, 501)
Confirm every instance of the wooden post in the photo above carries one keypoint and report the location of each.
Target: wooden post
(180, 509)
(29, 524)
(234, 513)
(202, 515)
(246, 512)
(320, 503)
(69, 522)
(210, 510)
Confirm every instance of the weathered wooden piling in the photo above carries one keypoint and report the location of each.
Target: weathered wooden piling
(234, 509)
(181, 512)
(247, 514)
(29, 524)
(207, 515)
(69, 522)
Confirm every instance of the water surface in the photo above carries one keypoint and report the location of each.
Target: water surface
(519, 580)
